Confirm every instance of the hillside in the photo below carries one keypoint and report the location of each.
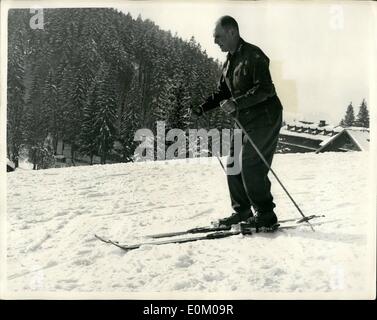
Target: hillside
(53, 215)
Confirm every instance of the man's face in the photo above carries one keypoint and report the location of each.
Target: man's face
(223, 38)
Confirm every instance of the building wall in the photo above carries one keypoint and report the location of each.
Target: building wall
(286, 148)
(300, 142)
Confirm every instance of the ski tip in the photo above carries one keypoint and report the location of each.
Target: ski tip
(104, 240)
(100, 238)
(306, 219)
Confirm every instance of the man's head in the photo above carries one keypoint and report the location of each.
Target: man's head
(226, 34)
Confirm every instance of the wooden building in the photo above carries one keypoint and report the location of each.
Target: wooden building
(303, 136)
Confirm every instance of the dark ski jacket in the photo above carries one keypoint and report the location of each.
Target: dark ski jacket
(247, 80)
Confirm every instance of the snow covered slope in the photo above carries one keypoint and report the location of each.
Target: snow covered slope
(53, 215)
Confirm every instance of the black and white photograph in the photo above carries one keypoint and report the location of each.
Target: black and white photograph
(188, 150)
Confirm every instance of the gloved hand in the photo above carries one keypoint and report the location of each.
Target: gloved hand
(228, 106)
(197, 110)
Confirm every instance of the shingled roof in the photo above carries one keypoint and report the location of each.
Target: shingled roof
(360, 137)
(324, 137)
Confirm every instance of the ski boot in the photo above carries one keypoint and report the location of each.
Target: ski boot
(262, 222)
(235, 218)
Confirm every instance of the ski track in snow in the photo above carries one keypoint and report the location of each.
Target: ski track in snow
(53, 214)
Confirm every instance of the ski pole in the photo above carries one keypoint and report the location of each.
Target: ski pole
(221, 163)
(217, 155)
(273, 172)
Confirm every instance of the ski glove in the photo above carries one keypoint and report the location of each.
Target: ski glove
(228, 106)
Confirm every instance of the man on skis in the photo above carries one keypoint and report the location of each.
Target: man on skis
(246, 92)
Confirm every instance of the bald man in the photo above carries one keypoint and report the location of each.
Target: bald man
(246, 92)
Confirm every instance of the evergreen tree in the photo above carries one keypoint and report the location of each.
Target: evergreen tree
(87, 135)
(104, 117)
(15, 104)
(18, 52)
(129, 125)
(179, 115)
(36, 115)
(174, 105)
(52, 86)
(362, 119)
(349, 118)
(130, 116)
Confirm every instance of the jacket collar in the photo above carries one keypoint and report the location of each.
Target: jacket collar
(240, 44)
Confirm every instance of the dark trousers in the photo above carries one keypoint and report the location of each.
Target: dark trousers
(252, 187)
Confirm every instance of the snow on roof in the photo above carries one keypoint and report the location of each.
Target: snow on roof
(357, 129)
(361, 137)
(295, 123)
(319, 137)
(338, 129)
(325, 142)
(313, 126)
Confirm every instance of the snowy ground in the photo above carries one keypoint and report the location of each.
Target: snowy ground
(53, 214)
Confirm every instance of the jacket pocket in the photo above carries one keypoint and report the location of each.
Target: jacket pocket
(258, 117)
